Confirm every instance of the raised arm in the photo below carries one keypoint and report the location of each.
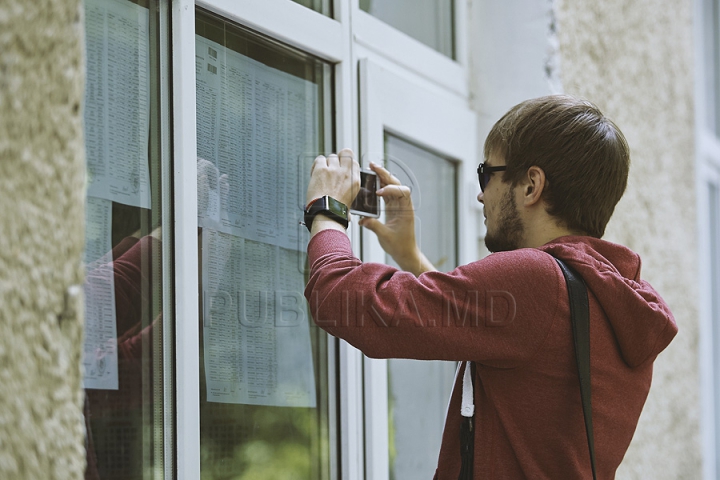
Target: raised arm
(338, 176)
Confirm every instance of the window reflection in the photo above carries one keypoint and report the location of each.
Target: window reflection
(263, 114)
(123, 289)
(118, 445)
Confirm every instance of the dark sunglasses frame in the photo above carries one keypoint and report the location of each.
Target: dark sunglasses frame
(485, 172)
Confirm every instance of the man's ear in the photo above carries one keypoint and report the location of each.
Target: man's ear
(533, 186)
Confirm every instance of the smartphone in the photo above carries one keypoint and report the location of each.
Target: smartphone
(367, 203)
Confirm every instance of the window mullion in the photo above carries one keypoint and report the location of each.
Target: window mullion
(186, 241)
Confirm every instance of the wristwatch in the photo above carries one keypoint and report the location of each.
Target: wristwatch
(328, 206)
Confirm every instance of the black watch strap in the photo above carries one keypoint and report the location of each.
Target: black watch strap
(328, 206)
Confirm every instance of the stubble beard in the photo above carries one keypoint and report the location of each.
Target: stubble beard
(509, 232)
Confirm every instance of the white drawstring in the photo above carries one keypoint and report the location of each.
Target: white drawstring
(457, 373)
(467, 409)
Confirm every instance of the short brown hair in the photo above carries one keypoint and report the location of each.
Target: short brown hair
(584, 155)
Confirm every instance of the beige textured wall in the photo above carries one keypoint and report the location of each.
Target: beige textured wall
(41, 239)
(634, 59)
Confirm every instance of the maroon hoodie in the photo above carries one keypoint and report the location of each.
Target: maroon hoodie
(509, 314)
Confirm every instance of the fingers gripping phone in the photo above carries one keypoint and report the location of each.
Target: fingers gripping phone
(367, 203)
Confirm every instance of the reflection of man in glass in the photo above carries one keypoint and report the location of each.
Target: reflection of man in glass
(114, 418)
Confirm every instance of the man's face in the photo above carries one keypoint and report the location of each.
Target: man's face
(505, 229)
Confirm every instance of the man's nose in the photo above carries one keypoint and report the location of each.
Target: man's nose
(481, 197)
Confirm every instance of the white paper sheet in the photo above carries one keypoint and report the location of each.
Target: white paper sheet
(117, 102)
(256, 125)
(256, 334)
(100, 359)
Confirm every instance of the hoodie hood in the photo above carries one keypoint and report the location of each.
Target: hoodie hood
(640, 319)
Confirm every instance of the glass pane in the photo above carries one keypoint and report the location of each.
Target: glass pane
(322, 6)
(432, 180)
(714, 65)
(429, 21)
(263, 114)
(123, 348)
(714, 223)
(417, 407)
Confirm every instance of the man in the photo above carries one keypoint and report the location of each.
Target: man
(554, 170)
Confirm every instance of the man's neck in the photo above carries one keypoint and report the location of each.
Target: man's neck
(544, 230)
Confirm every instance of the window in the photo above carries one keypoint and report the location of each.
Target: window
(128, 312)
(431, 22)
(202, 122)
(713, 77)
(425, 138)
(714, 227)
(263, 114)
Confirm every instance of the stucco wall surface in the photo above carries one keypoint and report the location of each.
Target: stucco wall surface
(634, 59)
(41, 239)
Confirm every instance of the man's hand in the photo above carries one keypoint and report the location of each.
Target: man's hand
(337, 176)
(397, 234)
(334, 175)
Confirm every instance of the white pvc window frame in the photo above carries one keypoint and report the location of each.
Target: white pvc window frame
(707, 175)
(339, 40)
(442, 122)
(187, 347)
(311, 32)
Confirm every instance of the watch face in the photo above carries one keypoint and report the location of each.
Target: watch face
(337, 207)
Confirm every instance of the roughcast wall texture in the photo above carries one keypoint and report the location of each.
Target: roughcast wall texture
(41, 239)
(634, 59)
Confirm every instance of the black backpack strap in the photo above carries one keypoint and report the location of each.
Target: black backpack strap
(580, 314)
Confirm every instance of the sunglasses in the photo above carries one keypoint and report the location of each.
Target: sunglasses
(484, 173)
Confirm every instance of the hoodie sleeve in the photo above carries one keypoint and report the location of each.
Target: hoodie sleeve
(496, 311)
